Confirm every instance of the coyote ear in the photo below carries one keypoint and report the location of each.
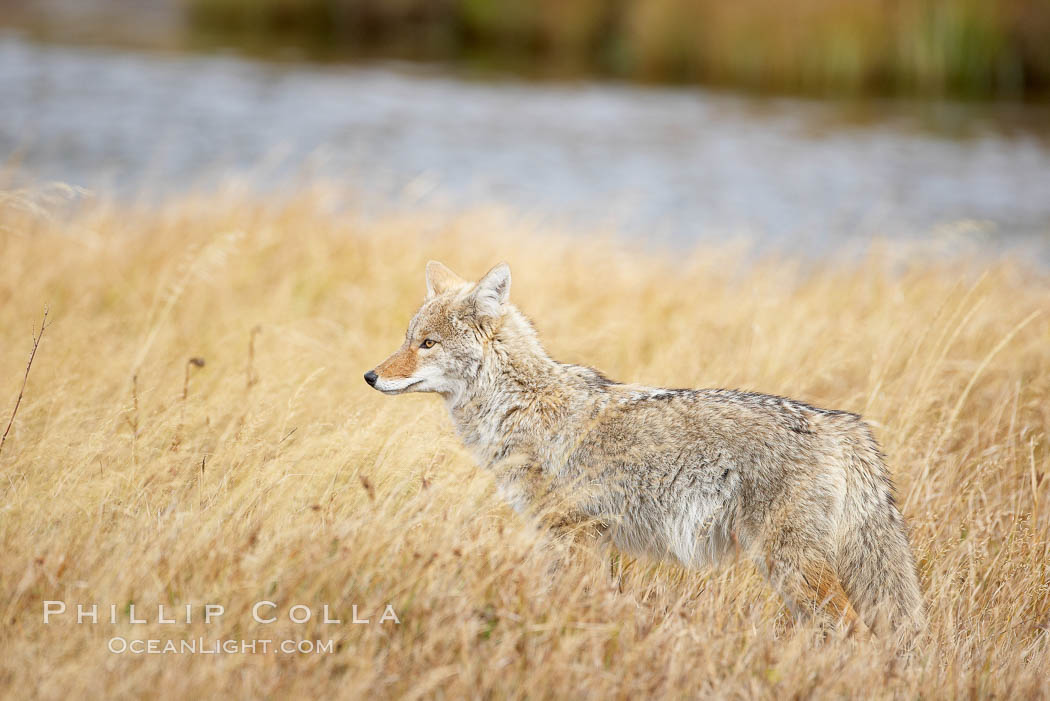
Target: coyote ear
(493, 291)
(441, 279)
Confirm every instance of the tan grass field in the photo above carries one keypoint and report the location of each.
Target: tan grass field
(277, 475)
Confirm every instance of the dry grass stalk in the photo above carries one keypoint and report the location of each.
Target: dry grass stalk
(25, 378)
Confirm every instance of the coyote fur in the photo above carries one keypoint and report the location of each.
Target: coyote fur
(686, 475)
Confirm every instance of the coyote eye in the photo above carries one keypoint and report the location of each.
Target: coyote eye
(429, 343)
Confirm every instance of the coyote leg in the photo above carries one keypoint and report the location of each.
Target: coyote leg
(825, 592)
(806, 582)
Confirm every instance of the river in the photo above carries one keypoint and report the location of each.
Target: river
(681, 163)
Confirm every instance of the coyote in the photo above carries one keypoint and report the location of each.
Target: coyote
(686, 475)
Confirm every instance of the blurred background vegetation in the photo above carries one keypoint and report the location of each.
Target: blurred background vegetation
(971, 48)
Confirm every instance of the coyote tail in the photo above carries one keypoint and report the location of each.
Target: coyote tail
(876, 566)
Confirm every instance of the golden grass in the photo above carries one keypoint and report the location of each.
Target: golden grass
(283, 477)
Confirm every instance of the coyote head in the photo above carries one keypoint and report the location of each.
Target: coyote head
(449, 337)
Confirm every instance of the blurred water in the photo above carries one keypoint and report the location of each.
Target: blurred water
(656, 162)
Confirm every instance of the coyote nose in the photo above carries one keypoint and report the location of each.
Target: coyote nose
(371, 377)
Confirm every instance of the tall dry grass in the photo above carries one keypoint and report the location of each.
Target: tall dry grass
(133, 475)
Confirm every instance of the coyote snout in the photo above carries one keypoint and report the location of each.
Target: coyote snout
(678, 474)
